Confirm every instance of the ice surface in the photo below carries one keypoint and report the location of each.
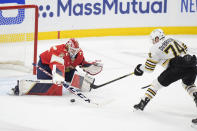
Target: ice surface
(171, 110)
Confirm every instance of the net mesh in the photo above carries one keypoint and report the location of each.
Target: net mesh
(17, 35)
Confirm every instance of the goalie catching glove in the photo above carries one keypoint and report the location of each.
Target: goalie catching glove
(92, 68)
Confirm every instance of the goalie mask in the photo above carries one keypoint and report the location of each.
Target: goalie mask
(73, 47)
(157, 35)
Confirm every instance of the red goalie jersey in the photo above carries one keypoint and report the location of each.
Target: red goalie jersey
(69, 55)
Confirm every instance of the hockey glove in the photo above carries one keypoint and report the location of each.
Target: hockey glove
(138, 71)
(92, 68)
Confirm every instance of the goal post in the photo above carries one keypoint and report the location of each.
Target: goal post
(18, 26)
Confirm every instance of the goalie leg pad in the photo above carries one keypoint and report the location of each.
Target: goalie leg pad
(88, 80)
(82, 82)
(42, 87)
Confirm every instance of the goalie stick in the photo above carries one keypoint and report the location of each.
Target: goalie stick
(92, 86)
(43, 70)
(71, 89)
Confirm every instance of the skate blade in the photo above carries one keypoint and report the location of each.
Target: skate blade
(194, 125)
(136, 110)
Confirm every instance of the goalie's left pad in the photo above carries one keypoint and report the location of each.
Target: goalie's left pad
(92, 68)
(82, 82)
(37, 87)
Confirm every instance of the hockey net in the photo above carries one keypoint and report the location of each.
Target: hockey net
(18, 37)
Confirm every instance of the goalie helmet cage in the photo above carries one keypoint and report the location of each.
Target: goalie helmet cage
(23, 19)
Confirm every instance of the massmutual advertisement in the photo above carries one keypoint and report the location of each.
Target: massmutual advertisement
(64, 15)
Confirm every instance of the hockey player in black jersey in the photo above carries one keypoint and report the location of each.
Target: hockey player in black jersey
(174, 56)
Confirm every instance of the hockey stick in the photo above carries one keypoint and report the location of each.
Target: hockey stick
(145, 87)
(77, 93)
(43, 70)
(71, 89)
(92, 86)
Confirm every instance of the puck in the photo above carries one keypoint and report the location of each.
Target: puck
(72, 100)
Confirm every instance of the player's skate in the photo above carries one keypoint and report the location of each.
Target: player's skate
(194, 123)
(142, 104)
(195, 97)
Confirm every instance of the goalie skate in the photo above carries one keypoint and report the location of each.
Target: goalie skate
(15, 90)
